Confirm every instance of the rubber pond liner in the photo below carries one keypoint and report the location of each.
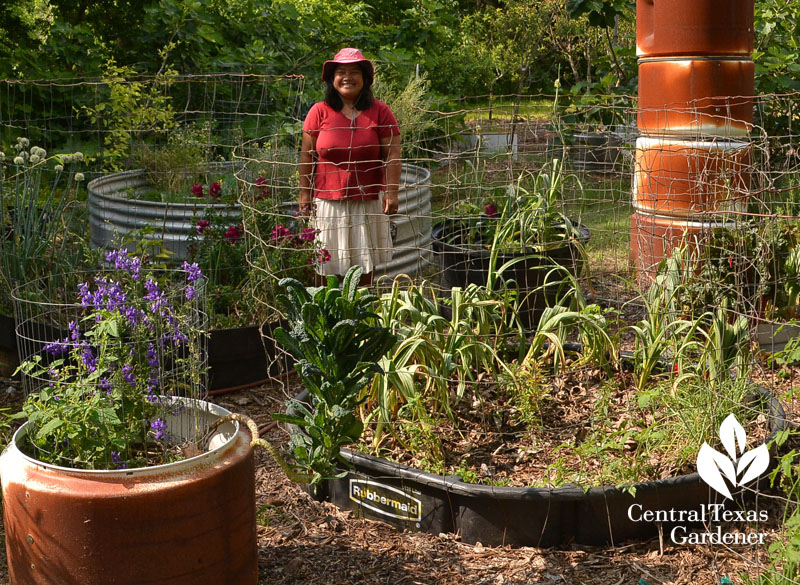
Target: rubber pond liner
(413, 500)
(536, 275)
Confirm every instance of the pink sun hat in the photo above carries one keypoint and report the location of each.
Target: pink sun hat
(348, 55)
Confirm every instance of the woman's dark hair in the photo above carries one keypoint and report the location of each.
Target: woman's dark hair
(365, 98)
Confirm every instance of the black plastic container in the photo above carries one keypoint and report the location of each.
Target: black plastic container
(497, 516)
(539, 278)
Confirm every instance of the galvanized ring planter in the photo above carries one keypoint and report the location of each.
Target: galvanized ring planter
(186, 523)
(113, 212)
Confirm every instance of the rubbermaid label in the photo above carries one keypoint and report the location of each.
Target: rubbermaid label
(385, 500)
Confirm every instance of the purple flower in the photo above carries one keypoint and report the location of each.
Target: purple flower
(197, 190)
(160, 427)
(193, 273)
(130, 264)
(128, 375)
(57, 348)
(116, 459)
(105, 385)
(88, 358)
(74, 331)
(154, 295)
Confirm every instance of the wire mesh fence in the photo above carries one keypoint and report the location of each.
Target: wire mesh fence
(502, 198)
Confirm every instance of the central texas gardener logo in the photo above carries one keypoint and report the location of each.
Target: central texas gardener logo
(740, 468)
(385, 500)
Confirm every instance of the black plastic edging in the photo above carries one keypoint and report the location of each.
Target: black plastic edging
(410, 499)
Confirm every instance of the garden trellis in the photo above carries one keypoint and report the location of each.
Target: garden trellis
(470, 165)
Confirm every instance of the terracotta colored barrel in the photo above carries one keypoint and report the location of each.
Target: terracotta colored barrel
(694, 27)
(185, 523)
(654, 237)
(696, 97)
(687, 177)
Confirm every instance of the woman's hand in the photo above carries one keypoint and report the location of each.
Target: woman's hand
(390, 203)
(305, 202)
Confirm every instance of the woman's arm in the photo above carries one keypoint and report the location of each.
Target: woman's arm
(307, 155)
(391, 152)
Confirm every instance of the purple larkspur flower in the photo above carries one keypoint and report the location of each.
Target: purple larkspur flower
(85, 295)
(105, 385)
(128, 375)
(116, 459)
(160, 427)
(193, 272)
(74, 331)
(154, 295)
(57, 348)
(88, 358)
(122, 261)
(151, 355)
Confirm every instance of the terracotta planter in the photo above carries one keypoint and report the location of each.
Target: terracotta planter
(694, 27)
(696, 97)
(654, 237)
(688, 177)
(185, 523)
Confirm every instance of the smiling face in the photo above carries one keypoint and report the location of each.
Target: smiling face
(348, 80)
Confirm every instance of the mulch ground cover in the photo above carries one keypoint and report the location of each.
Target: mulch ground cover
(302, 541)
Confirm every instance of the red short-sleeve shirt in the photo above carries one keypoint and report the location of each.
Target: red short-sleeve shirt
(349, 163)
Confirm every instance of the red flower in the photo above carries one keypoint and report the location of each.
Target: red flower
(233, 234)
(280, 232)
(308, 234)
(202, 224)
(490, 210)
(324, 256)
(197, 190)
(215, 190)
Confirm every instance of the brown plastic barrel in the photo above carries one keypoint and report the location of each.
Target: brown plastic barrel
(696, 97)
(654, 238)
(687, 177)
(185, 523)
(694, 27)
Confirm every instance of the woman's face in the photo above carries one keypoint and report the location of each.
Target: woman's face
(348, 80)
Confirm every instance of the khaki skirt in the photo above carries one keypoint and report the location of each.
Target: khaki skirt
(355, 233)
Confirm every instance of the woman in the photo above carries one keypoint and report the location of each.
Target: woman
(350, 167)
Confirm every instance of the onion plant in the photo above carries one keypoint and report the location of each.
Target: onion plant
(37, 197)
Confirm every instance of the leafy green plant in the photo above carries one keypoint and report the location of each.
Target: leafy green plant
(337, 343)
(102, 391)
(38, 205)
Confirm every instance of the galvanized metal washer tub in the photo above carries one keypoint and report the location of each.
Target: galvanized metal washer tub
(114, 211)
(186, 523)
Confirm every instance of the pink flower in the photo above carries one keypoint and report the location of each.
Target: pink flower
(233, 234)
(490, 210)
(309, 234)
(324, 256)
(202, 224)
(280, 232)
(215, 190)
(197, 190)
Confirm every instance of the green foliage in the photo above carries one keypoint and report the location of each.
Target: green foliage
(337, 345)
(408, 103)
(101, 389)
(134, 108)
(38, 203)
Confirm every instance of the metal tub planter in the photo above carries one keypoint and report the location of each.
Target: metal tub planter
(114, 211)
(186, 523)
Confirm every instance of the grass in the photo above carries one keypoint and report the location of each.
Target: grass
(503, 109)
